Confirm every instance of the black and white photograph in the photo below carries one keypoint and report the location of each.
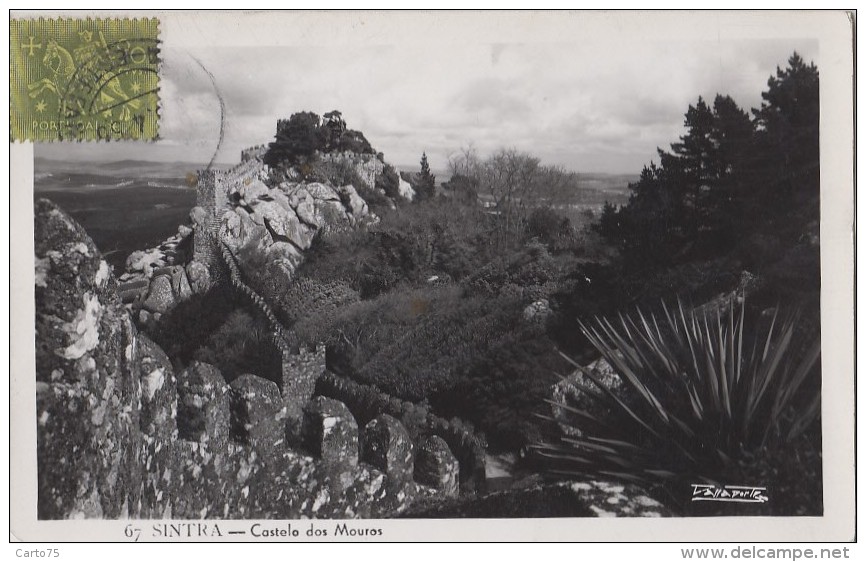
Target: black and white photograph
(444, 267)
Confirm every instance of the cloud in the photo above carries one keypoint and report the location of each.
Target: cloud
(590, 105)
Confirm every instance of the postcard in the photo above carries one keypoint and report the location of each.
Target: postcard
(422, 276)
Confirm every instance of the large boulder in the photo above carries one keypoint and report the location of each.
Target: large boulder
(199, 277)
(353, 202)
(436, 466)
(160, 297)
(569, 392)
(256, 413)
(330, 432)
(388, 447)
(203, 405)
(404, 189)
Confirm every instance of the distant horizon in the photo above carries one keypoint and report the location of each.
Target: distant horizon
(201, 165)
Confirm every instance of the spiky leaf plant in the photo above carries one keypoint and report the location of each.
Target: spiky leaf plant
(703, 399)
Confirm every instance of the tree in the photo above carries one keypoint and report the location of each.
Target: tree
(389, 182)
(427, 181)
(513, 183)
(304, 133)
(787, 171)
(335, 126)
(728, 178)
(297, 137)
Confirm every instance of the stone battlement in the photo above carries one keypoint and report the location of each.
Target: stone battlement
(241, 432)
(212, 196)
(120, 434)
(254, 152)
(367, 166)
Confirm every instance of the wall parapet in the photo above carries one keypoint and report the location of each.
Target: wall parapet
(367, 403)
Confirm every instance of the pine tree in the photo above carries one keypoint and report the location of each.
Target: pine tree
(427, 181)
(730, 180)
(788, 138)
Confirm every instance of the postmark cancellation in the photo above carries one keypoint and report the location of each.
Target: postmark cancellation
(84, 79)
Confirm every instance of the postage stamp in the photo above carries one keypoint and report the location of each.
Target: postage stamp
(84, 79)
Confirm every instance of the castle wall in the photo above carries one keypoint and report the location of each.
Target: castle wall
(367, 166)
(212, 195)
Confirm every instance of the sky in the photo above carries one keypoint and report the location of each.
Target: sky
(587, 105)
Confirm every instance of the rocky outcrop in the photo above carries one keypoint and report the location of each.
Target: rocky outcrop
(274, 226)
(155, 280)
(87, 390)
(570, 393)
(173, 250)
(404, 189)
(537, 311)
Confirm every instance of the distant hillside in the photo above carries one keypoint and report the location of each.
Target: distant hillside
(122, 168)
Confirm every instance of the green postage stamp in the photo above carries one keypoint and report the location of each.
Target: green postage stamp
(83, 79)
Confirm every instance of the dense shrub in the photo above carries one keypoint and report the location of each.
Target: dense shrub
(549, 226)
(243, 344)
(186, 327)
(389, 182)
(434, 238)
(412, 343)
(502, 391)
(220, 329)
(472, 356)
(463, 189)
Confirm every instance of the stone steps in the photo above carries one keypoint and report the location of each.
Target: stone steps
(236, 279)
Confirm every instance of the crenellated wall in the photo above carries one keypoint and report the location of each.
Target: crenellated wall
(367, 166)
(212, 196)
(254, 152)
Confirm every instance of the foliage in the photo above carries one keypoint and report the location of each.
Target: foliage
(550, 227)
(705, 400)
(432, 238)
(186, 327)
(515, 183)
(298, 136)
(500, 392)
(426, 181)
(243, 344)
(389, 182)
(218, 328)
(463, 189)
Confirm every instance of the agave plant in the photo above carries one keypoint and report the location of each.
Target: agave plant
(701, 398)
